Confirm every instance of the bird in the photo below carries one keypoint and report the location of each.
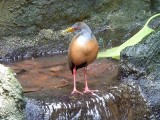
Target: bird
(83, 50)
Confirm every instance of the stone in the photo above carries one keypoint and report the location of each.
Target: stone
(31, 28)
(47, 42)
(114, 103)
(140, 66)
(56, 69)
(11, 96)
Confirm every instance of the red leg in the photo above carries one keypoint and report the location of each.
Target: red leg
(74, 82)
(87, 90)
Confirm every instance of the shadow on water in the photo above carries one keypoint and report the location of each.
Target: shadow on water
(47, 83)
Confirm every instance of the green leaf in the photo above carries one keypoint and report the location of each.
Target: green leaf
(115, 51)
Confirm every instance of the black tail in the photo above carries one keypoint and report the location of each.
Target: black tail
(72, 65)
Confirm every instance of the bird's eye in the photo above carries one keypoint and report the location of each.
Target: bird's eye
(75, 28)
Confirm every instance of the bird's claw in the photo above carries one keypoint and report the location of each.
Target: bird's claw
(76, 91)
(90, 91)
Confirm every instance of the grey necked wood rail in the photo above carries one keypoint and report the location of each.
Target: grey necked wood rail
(82, 51)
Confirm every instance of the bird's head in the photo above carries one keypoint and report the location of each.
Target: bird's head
(79, 26)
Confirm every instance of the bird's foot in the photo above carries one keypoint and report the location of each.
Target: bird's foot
(89, 91)
(76, 91)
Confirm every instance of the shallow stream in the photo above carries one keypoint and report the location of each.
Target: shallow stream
(47, 83)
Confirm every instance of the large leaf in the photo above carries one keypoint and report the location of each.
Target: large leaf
(115, 51)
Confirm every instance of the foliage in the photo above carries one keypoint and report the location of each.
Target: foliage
(115, 52)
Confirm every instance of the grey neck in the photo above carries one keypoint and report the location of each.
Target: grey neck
(86, 32)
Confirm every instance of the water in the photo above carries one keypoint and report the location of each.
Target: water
(84, 109)
(47, 83)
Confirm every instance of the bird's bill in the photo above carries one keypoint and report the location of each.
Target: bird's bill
(70, 29)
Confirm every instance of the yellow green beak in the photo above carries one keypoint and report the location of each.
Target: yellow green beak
(70, 29)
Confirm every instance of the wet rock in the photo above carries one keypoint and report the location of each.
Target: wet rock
(28, 17)
(112, 103)
(140, 66)
(154, 5)
(31, 28)
(11, 96)
(47, 42)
